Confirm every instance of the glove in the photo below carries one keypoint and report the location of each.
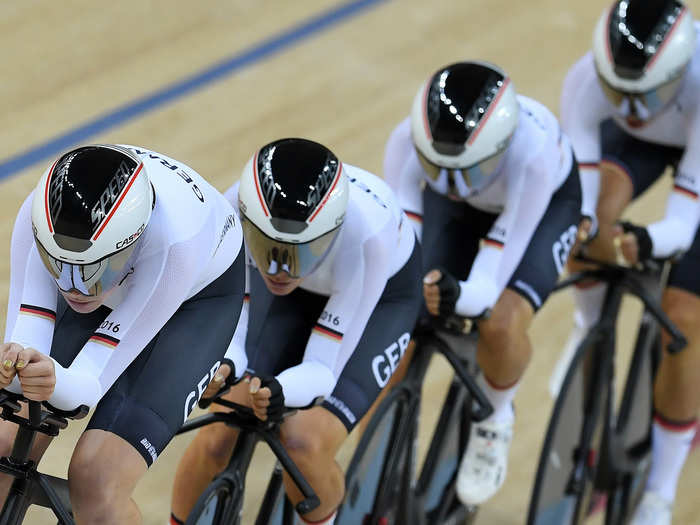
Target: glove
(276, 408)
(449, 292)
(643, 239)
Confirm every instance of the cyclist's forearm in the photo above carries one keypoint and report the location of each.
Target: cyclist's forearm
(303, 383)
(675, 232)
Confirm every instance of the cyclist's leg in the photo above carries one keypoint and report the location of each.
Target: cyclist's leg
(207, 455)
(677, 388)
(142, 411)
(504, 348)
(313, 437)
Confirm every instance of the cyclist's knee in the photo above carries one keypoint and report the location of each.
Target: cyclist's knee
(508, 322)
(312, 435)
(217, 442)
(682, 308)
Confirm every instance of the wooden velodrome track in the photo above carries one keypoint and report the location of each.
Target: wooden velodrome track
(208, 82)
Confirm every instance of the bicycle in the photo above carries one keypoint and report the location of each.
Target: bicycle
(31, 487)
(222, 500)
(592, 445)
(381, 485)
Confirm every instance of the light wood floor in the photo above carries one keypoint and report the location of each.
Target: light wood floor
(72, 63)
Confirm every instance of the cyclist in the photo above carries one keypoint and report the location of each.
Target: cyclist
(631, 107)
(491, 184)
(122, 302)
(334, 274)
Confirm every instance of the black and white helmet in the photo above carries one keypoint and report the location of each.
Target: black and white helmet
(462, 120)
(641, 49)
(293, 195)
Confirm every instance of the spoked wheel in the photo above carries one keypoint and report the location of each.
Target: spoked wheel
(567, 474)
(215, 505)
(375, 458)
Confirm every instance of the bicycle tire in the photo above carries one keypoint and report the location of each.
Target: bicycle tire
(217, 504)
(556, 499)
(365, 474)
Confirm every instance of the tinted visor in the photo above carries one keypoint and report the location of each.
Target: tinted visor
(475, 177)
(272, 256)
(87, 279)
(645, 105)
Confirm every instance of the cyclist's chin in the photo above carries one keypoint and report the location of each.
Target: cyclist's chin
(279, 285)
(84, 304)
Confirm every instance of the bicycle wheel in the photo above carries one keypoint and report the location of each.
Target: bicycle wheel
(217, 504)
(374, 460)
(436, 483)
(566, 474)
(634, 424)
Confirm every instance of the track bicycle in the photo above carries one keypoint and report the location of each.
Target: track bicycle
(382, 486)
(222, 501)
(594, 445)
(31, 487)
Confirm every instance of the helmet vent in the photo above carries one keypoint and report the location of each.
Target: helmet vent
(637, 31)
(458, 100)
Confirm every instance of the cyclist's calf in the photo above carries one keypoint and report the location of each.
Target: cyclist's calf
(102, 475)
(312, 439)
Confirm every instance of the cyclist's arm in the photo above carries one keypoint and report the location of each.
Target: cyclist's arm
(162, 282)
(506, 242)
(341, 325)
(236, 349)
(583, 107)
(403, 173)
(676, 231)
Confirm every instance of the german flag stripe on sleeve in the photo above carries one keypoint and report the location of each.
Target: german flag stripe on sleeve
(37, 311)
(493, 242)
(685, 191)
(246, 298)
(588, 165)
(413, 216)
(328, 332)
(104, 339)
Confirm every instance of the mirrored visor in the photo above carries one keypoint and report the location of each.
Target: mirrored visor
(475, 177)
(272, 256)
(645, 105)
(87, 279)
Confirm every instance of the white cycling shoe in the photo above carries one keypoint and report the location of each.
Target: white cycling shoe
(485, 462)
(652, 510)
(562, 365)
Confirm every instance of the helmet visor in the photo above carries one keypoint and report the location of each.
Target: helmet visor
(87, 279)
(272, 256)
(474, 177)
(644, 105)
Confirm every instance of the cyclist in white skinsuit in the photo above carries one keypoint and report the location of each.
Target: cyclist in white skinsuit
(122, 302)
(492, 186)
(632, 111)
(333, 299)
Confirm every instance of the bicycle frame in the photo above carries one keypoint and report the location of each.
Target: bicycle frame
(31, 487)
(619, 456)
(397, 480)
(251, 431)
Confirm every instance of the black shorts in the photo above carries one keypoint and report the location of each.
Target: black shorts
(152, 398)
(453, 230)
(645, 162)
(279, 329)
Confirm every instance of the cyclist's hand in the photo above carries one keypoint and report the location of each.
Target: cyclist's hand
(8, 358)
(441, 291)
(266, 398)
(632, 243)
(218, 381)
(37, 374)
